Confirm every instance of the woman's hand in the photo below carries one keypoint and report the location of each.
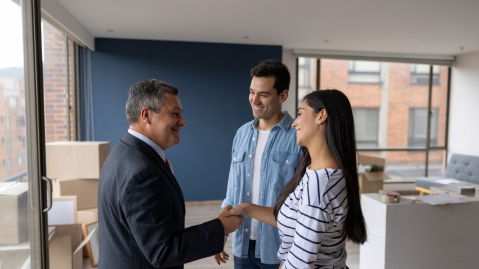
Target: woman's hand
(240, 210)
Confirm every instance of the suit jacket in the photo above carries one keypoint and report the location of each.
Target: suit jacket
(141, 213)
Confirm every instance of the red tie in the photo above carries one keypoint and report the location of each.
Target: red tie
(169, 164)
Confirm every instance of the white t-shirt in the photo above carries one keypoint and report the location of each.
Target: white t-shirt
(260, 144)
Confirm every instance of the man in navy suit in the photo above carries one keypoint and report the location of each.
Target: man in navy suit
(140, 204)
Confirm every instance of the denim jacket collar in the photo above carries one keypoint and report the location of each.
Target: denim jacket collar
(284, 124)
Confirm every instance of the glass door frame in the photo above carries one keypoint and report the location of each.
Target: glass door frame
(38, 183)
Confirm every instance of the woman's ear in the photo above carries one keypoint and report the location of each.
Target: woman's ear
(322, 116)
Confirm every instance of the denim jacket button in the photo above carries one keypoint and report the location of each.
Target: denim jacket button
(286, 161)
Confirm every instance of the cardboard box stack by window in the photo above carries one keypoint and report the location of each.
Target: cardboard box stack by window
(13, 212)
(371, 182)
(76, 159)
(75, 168)
(86, 191)
(65, 248)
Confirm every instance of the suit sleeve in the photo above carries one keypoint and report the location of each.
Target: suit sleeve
(149, 205)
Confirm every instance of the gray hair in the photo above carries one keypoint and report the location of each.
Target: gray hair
(147, 93)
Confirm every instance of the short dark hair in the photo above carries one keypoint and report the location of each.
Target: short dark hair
(276, 69)
(147, 93)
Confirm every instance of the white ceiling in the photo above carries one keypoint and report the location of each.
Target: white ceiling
(437, 27)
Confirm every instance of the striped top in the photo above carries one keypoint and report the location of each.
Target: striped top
(311, 222)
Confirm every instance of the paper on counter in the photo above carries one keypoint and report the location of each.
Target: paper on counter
(440, 199)
(448, 181)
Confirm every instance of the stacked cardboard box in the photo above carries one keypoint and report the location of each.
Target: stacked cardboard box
(74, 168)
(371, 182)
(14, 212)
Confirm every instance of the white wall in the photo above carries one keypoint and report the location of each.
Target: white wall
(464, 106)
(56, 14)
(290, 61)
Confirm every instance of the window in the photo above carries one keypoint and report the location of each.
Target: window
(366, 123)
(12, 101)
(418, 127)
(304, 73)
(364, 72)
(420, 74)
(9, 165)
(9, 145)
(20, 121)
(385, 122)
(58, 77)
(20, 160)
(7, 124)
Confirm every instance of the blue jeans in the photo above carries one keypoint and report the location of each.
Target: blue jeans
(251, 262)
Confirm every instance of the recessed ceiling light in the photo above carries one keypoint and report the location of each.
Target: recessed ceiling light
(109, 30)
(326, 41)
(245, 37)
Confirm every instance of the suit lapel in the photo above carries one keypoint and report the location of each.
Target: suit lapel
(133, 141)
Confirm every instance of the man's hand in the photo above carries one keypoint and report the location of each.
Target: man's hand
(221, 257)
(240, 210)
(231, 223)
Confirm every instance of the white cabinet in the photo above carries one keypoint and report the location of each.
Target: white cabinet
(417, 235)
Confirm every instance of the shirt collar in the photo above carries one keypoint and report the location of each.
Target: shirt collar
(284, 124)
(148, 141)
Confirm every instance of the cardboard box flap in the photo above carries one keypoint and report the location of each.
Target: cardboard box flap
(85, 241)
(375, 176)
(14, 189)
(370, 160)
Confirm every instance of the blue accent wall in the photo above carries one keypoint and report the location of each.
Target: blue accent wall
(213, 80)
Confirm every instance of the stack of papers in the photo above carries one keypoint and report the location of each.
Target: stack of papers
(440, 199)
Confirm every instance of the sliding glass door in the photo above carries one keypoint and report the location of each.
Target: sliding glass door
(23, 242)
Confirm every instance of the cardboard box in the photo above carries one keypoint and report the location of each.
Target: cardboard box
(371, 182)
(14, 213)
(61, 247)
(86, 191)
(61, 254)
(75, 159)
(86, 216)
(73, 230)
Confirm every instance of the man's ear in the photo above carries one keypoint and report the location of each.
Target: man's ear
(283, 96)
(145, 115)
(322, 116)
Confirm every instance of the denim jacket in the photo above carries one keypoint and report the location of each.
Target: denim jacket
(278, 164)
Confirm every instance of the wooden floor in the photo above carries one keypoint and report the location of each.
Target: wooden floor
(199, 212)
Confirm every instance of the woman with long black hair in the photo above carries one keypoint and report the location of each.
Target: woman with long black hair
(319, 209)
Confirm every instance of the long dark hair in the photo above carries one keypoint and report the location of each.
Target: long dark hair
(341, 141)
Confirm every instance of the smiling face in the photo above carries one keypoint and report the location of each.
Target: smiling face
(264, 99)
(164, 127)
(307, 124)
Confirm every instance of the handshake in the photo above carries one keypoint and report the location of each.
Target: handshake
(231, 218)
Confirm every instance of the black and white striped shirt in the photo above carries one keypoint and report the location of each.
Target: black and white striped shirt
(311, 222)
